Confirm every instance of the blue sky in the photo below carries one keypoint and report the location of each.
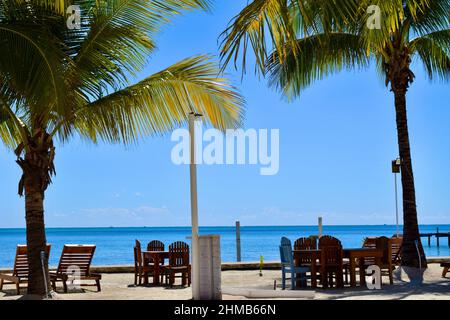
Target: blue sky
(336, 144)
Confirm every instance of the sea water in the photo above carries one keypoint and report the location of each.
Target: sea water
(115, 245)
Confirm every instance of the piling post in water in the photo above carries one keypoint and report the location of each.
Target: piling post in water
(320, 227)
(238, 241)
(437, 237)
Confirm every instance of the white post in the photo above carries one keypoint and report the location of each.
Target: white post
(194, 211)
(238, 241)
(210, 268)
(320, 226)
(396, 205)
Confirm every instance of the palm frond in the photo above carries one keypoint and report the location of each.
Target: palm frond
(434, 52)
(269, 25)
(118, 40)
(9, 133)
(427, 16)
(12, 129)
(31, 62)
(58, 6)
(262, 25)
(321, 55)
(161, 103)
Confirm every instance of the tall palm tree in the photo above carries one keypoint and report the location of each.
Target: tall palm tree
(297, 42)
(57, 82)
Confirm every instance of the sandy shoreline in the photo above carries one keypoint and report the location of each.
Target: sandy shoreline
(119, 286)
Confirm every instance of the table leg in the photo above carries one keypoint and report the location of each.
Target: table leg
(313, 274)
(145, 260)
(362, 272)
(298, 283)
(156, 269)
(352, 272)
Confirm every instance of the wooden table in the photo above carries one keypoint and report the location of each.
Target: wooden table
(360, 254)
(314, 256)
(158, 259)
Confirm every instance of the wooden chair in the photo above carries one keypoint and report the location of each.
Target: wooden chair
(370, 243)
(331, 261)
(140, 270)
(446, 266)
(75, 258)
(178, 263)
(288, 266)
(309, 243)
(386, 262)
(155, 245)
(20, 270)
(305, 244)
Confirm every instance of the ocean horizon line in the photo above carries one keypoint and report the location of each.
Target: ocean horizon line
(228, 226)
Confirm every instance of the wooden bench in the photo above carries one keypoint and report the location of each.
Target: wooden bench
(446, 266)
(75, 262)
(20, 270)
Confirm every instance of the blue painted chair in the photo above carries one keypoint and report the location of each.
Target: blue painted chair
(287, 264)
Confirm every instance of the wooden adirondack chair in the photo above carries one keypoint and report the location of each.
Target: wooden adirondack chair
(386, 263)
(288, 265)
(331, 262)
(178, 263)
(370, 243)
(155, 245)
(141, 271)
(74, 259)
(305, 244)
(20, 270)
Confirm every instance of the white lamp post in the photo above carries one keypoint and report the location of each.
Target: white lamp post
(396, 164)
(194, 210)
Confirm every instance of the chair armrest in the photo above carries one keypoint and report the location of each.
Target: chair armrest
(9, 278)
(55, 275)
(95, 275)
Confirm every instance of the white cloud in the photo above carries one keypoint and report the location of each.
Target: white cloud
(144, 215)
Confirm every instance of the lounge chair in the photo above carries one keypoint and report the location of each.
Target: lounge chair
(446, 266)
(20, 271)
(396, 250)
(178, 263)
(75, 258)
(331, 261)
(288, 266)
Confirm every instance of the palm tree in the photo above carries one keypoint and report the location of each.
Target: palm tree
(58, 82)
(309, 40)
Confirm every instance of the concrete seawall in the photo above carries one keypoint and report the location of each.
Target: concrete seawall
(227, 266)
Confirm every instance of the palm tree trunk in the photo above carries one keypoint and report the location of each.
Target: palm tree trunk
(36, 241)
(411, 236)
(37, 168)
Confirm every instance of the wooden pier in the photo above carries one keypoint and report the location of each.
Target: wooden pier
(438, 235)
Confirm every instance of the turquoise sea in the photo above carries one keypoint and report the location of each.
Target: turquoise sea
(115, 245)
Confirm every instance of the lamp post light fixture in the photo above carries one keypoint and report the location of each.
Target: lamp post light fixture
(396, 167)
